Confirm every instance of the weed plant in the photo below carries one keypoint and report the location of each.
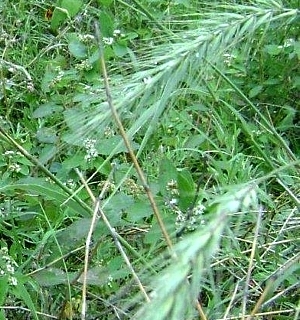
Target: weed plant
(149, 159)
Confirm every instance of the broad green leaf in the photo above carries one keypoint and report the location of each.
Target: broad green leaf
(139, 210)
(66, 9)
(73, 162)
(58, 18)
(3, 289)
(116, 206)
(70, 115)
(273, 50)
(98, 276)
(186, 188)
(297, 48)
(46, 135)
(105, 2)
(72, 6)
(255, 91)
(47, 79)
(46, 109)
(106, 24)
(39, 186)
(113, 145)
(77, 49)
(74, 233)
(153, 235)
(167, 175)
(48, 152)
(195, 141)
(52, 277)
(20, 291)
(120, 50)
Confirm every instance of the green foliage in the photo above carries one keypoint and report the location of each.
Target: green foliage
(208, 93)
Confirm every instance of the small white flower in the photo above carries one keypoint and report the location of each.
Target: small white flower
(147, 80)
(180, 218)
(110, 279)
(30, 87)
(198, 210)
(91, 152)
(173, 201)
(70, 183)
(117, 32)
(13, 281)
(86, 37)
(9, 153)
(109, 132)
(108, 41)
(10, 268)
(14, 167)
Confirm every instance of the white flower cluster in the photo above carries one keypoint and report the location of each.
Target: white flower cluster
(14, 167)
(60, 74)
(91, 152)
(109, 280)
(172, 187)
(10, 154)
(190, 220)
(110, 40)
(86, 38)
(228, 58)
(109, 132)
(84, 65)
(7, 266)
(70, 183)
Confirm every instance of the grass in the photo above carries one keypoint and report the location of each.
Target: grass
(165, 188)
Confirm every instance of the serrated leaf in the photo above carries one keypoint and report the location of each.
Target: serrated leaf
(73, 162)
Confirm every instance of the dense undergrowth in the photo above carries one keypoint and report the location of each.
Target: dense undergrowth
(208, 94)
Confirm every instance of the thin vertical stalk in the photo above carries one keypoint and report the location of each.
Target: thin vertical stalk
(127, 142)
